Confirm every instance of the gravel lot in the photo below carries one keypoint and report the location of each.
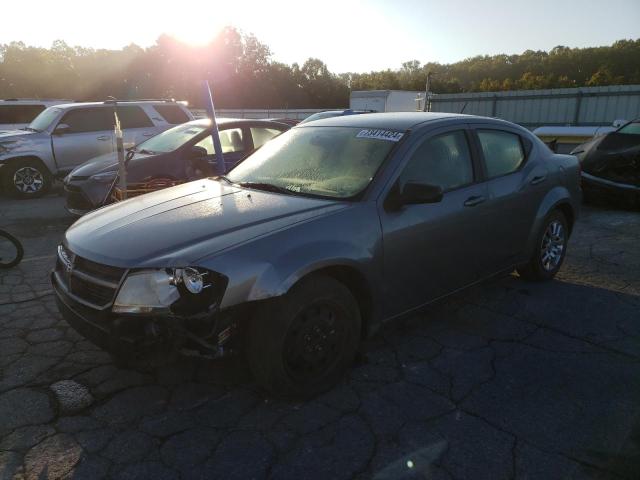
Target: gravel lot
(507, 380)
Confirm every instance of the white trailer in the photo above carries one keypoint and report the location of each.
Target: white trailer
(387, 100)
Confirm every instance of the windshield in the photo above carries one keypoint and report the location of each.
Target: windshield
(321, 115)
(42, 121)
(337, 162)
(632, 128)
(171, 139)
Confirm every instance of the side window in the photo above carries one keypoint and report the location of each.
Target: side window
(503, 152)
(443, 160)
(85, 120)
(230, 140)
(262, 135)
(207, 144)
(133, 117)
(173, 114)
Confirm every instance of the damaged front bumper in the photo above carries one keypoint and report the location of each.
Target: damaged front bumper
(212, 336)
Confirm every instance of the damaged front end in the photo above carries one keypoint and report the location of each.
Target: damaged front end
(611, 166)
(134, 313)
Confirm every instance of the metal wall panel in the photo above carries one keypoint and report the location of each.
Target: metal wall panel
(532, 108)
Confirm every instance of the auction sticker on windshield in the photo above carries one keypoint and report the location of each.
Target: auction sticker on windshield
(380, 134)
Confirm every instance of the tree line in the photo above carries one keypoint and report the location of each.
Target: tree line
(244, 75)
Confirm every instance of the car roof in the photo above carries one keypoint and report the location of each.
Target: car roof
(120, 104)
(393, 121)
(205, 122)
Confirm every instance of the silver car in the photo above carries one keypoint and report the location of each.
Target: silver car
(312, 242)
(64, 136)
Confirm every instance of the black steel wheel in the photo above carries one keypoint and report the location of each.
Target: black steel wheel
(301, 344)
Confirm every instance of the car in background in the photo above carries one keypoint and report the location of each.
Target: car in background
(65, 136)
(611, 165)
(334, 113)
(17, 113)
(177, 155)
(315, 240)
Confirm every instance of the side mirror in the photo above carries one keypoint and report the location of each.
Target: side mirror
(197, 152)
(413, 193)
(61, 129)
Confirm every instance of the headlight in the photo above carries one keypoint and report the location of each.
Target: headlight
(104, 177)
(179, 291)
(146, 292)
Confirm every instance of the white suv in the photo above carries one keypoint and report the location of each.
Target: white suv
(64, 136)
(16, 113)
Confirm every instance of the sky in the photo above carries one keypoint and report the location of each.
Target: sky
(348, 35)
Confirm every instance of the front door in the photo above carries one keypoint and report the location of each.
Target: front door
(90, 134)
(432, 249)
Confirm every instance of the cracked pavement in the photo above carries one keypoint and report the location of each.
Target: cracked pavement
(506, 380)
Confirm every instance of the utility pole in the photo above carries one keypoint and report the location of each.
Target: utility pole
(427, 93)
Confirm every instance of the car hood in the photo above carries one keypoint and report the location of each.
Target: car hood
(614, 156)
(179, 225)
(102, 163)
(14, 135)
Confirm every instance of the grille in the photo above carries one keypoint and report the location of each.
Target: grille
(91, 284)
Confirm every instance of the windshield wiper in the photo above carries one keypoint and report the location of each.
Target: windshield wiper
(268, 187)
(225, 178)
(30, 129)
(144, 151)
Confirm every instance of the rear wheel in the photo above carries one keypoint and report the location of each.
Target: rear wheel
(27, 179)
(550, 250)
(300, 345)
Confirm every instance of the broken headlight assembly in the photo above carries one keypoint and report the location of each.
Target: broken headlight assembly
(172, 291)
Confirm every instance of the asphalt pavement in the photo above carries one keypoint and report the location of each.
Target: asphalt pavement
(507, 380)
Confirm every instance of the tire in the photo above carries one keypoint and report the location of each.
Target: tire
(11, 251)
(541, 268)
(26, 179)
(301, 344)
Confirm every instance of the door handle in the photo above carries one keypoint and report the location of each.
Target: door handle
(538, 179)
(473, 201)
(104, 137)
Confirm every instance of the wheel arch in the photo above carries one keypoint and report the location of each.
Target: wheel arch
(358, 285)
(22, 158)
(558, 198)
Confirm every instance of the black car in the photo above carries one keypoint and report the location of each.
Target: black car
(177, 155)
(611, 165)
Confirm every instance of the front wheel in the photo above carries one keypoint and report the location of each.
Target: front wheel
(300, 345)
(27, 179)
(550, 250)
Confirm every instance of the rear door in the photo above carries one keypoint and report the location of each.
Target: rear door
(516, 186)
(90, 134)
(136, 125)
(432, 249)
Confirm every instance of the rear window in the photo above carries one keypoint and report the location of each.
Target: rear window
(19, 113)
(172, 114)
(133, 117)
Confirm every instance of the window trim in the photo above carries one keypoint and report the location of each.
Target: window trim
(525, 151)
